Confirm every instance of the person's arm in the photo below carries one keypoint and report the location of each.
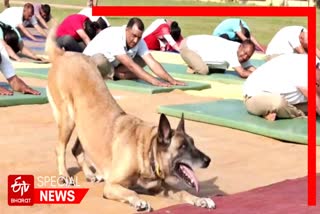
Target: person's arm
(171, 42)
(42, 21)
(258, 45)
(83, 35)
(157, 69)
(125, 60)
(300, 50)
(10, 52)
(26, 51)
(241, 35)
(26, 32)
(244, 72)
(304, 91)
(40, 30)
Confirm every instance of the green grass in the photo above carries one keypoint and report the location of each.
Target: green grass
(263, 28)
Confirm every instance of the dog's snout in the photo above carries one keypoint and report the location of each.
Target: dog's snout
(206, 161)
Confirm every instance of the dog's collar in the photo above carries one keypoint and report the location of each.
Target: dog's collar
(155, 166)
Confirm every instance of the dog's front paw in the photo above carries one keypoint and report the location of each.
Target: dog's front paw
(141, 205)
(205, 203)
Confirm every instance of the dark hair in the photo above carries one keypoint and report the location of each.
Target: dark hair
(47, 10)
(136, 21)
(246, 32)
(90, 28)
(10, 36)
(29, 6)
(249, 42)
(175, 30)
(12, 39)
(102, 24)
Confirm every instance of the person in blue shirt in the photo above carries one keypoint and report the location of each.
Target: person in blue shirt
(237, 30)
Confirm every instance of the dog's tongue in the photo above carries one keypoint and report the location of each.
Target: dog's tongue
(191, 175)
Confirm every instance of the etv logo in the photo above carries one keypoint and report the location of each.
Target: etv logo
(20, 190)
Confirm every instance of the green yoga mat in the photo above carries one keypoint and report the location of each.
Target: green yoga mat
(143, 87)
(129, 85)
(39, 73)
(229, 77)
(23, 99)
(233, 114)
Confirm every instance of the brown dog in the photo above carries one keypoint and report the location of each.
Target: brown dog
(125, 151)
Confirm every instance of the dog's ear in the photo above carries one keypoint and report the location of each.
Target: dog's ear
(181, 124)
(164, 130)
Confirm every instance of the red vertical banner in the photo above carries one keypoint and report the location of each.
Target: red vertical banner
(308, 12)
(312, 129)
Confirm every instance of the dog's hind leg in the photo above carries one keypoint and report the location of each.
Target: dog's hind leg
(79, 154)
(65, 127)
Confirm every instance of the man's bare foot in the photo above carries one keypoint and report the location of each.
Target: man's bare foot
(28, 90)
(270, 116)
(4, 91)
(18, 85)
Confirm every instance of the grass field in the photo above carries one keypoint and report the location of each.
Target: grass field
(263, 28)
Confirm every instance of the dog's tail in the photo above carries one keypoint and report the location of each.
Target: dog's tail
(51, 45)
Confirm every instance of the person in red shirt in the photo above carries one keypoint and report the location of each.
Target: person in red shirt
(164, 35)
(75, 32)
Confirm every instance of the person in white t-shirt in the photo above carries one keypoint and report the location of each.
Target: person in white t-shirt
(278, 88)
(128, 54)
(14, 81)
(290, 39)
(199, 51)
(102, 21)
(20, 17)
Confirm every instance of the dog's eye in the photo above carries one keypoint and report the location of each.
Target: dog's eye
(183, 146)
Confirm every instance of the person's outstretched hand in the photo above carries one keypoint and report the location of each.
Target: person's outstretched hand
(41, 59)
(177, 82)
(157, 82)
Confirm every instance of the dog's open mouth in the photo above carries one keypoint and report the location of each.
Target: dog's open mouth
(185, 173)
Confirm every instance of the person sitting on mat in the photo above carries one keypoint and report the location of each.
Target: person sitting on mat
(12, 17)
(14, 81)
(290, 39)
(11, 39)
(236, 30)
(128, 54)
(278, 88)
(75, 32)
(199, 51)
(163, 35)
